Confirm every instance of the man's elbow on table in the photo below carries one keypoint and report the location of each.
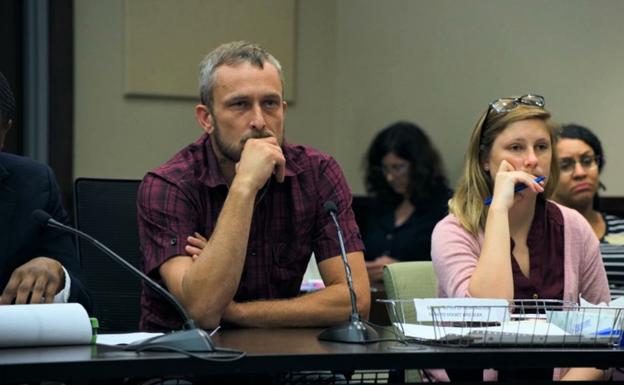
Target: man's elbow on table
(206, 310)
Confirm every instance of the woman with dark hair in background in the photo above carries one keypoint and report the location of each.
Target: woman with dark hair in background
(580, 163)
(405, 175)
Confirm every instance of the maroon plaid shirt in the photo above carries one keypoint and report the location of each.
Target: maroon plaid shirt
(186, 195)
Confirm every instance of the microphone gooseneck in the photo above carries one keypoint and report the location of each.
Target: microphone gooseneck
(44, 218)
(331, 209)
(191, 339)
(354, 331)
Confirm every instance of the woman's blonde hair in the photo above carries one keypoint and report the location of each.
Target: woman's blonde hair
(475, 184)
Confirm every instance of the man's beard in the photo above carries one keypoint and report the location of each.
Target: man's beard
(233, 152)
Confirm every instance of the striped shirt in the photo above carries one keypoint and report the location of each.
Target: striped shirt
(615, 225)
(612, 249)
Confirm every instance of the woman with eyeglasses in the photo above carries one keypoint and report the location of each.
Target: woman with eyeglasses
(405, 176)
(521, 245)
(580, 163)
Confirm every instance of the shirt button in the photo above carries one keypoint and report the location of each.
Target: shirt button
(253, 254)
(535, 296)
(389, 237)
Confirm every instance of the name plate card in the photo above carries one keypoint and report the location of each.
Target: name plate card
(461, 310)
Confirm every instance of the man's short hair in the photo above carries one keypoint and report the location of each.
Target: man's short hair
(7, 100)
(233, 53)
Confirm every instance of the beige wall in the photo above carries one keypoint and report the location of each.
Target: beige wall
(362, 64)
(121, 137)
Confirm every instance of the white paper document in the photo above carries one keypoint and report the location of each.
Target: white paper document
(527, 327)
(589, 319)
(124, 338)
(44, 324)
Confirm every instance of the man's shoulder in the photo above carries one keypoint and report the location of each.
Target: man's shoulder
(184, 166)
(18, 162)
(21, 167)
(305, 157)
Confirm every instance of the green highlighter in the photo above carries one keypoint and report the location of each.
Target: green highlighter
(94, 327)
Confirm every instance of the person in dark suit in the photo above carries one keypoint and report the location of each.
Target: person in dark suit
(37, 264)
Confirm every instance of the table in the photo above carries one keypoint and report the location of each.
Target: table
(280, 350)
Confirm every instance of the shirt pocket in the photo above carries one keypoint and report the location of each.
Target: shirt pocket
(289, 265)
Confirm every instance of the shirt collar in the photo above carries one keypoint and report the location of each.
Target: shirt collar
(546, 214)
(291, 153)
(210, 173)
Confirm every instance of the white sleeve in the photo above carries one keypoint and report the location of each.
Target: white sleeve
(63, 295)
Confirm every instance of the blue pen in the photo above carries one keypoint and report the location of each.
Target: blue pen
(609, 332)
(519, 187)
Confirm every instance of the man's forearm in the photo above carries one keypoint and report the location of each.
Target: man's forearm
(212, 280)
(326, 307)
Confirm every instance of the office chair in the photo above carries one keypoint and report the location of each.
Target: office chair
(106, 210)
(405, 281)
(408, 280)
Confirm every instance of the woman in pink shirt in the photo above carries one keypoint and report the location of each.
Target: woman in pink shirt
(518, 245)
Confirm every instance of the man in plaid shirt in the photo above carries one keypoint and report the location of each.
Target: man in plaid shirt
(229, 223)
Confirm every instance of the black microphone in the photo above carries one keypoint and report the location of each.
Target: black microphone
(354, 331)
(192, 339)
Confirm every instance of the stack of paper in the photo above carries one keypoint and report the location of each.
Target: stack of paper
(44, 324)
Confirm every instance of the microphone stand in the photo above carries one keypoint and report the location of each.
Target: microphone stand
(190, 339)
(355, 330)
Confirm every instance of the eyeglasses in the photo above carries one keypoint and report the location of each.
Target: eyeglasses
(587, 162)
(508, 104)
(394, 169)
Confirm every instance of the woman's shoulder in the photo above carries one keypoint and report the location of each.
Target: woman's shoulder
(613, 220)
(450, 226)
(449, 220)
(575, 224)
(615, 228)
(570, 216)
(450, 239)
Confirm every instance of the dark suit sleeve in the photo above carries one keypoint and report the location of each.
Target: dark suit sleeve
(60, 245)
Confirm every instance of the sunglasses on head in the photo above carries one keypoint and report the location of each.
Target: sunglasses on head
(508, 104)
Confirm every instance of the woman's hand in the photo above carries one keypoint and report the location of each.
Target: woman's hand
(195, 245)
(505, 182)
(375, 268)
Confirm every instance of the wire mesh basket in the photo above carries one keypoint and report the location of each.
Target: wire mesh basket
(517, 323)
(358, 377)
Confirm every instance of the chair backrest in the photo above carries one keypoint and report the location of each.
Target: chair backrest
(404, 281)
(408, 280)
(106, 210)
